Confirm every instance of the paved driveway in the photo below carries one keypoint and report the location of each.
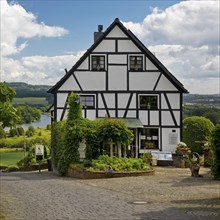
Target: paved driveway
(170, 194)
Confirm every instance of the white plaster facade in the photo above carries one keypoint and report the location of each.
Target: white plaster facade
(117, 90)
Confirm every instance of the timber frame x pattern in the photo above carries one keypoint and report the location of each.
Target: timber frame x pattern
(119, 77)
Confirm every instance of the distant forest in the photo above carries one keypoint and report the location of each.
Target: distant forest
(24, 90)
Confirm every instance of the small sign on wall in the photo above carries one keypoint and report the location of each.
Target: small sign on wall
(173, 139)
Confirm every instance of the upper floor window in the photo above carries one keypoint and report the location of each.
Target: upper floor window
(87, 101)
(136, 63)
(148, 102)
(98, 63)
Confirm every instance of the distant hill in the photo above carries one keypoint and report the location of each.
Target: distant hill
(26, 90)
(202, 100)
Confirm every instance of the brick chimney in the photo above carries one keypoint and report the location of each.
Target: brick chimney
(98, 34)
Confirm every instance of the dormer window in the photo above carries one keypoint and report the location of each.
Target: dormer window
(136, 63)
(98, 63)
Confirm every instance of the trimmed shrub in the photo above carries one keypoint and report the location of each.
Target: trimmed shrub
(195, 130)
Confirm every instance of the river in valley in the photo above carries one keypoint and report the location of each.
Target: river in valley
(43, 122)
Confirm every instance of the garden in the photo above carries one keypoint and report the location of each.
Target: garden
(105, 143)
(99, 136)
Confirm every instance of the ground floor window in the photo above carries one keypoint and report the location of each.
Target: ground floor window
(149, 138)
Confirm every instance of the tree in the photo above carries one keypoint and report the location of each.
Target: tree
(8, 116)
(115, 131)
(215, 168)
(197, 130)
(28, 114)
(74, 133)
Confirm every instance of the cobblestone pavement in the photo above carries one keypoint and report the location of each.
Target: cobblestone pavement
(170, 194)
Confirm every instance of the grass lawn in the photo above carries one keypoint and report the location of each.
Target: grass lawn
(13, 142)
(9, 157)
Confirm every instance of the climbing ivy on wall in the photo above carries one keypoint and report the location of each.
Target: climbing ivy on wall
(67, 135)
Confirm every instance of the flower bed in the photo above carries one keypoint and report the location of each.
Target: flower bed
(77, 172)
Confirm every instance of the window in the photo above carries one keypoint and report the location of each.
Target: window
(98, 63)
(136, 63)
(148, 102)
(87, 101)
(149, 138)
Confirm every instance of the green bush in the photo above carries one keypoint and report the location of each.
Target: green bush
(25, 162)
(2, 132)
(57, 140)
(196, 130)
(215, 168)
(119, 164)
(12, 169)
(87, 163)
(30, 157)
(13, 132)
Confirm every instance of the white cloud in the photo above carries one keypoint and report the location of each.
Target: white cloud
(185, 23)
(17, 23)
(185, 38)
(38, 69)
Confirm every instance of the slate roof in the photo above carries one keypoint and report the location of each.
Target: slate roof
(137, 42)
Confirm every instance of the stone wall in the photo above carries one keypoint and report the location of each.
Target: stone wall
(76, 172)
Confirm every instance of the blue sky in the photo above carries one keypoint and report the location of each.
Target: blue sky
(81, 19)
(41, 38)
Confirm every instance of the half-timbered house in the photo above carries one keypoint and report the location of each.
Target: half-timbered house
(119, 77)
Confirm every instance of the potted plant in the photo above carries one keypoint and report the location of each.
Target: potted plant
(178, 156)
(182, 148)
(193, 159)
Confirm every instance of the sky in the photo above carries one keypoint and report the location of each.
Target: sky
(40, 38)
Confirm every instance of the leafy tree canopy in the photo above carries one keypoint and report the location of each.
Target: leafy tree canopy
(8, 116)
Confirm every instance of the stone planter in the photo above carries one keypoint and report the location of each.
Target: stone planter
(76, 172)
(178, 160)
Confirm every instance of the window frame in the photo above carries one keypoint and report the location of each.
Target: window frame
(135, 63)
(98, 60)
(147, 106)
(84, 105)
(151, 140)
